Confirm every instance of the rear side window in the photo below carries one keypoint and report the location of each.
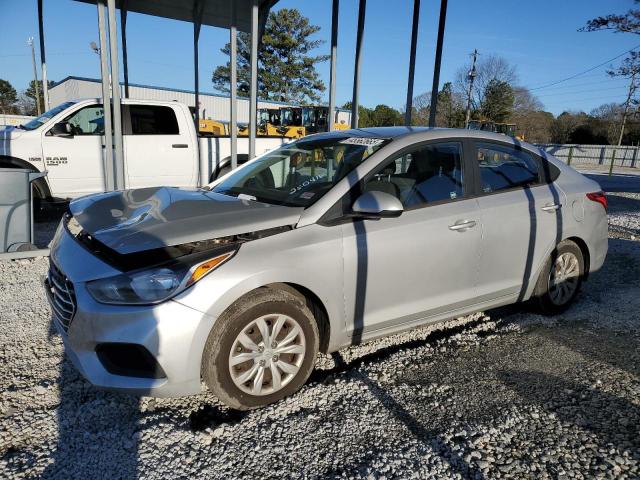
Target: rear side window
(503, 167)
(153, 120)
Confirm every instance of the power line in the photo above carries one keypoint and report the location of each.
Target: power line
(610, 99)
(585, 71)
(555, 94)
(608, 81)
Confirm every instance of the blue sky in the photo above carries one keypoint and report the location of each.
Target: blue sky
(539, 37)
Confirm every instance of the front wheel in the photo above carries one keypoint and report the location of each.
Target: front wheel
(560, 279)
(261, 350)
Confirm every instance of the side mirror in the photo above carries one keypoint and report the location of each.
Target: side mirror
(61, 129)
(377, 204)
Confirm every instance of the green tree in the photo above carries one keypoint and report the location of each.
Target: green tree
(385, 116)
(365, 115)
(497, 104)
(450, 112)
(286, 68)
(488, 69)
(620, 23)
(8, 97)
(30, 93)
(628, 22)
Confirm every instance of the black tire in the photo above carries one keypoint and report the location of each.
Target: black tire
(215, 359)
(542, 295)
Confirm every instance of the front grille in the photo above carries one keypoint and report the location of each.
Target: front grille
(61, 296)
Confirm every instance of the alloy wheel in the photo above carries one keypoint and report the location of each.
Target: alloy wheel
(563, 278)
(267, 354)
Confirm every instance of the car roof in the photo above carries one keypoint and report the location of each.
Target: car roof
(420, 133)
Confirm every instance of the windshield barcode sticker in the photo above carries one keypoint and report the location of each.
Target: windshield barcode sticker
(364, 141)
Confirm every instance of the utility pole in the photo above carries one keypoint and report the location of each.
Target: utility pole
(471, 76)
(35, 74)
(632, 90)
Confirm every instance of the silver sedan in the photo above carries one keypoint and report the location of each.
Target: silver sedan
(328, 241)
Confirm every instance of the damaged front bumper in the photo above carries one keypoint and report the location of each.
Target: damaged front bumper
(144, 350)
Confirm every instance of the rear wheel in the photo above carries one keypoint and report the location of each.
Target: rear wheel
(261, 350)
(560, 279)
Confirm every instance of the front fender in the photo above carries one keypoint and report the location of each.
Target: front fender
(310, 257)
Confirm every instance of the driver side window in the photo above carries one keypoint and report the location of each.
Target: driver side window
(87, 121)
(431, 173)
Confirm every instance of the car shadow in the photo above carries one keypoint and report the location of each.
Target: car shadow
(580, 406)
(84, 446)
(429, 437)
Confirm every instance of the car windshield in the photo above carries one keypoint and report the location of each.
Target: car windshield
(45, 117)
(300, 173)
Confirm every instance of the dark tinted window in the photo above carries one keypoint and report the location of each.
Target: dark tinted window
(432, 173)
(153, 120)
(503, 167)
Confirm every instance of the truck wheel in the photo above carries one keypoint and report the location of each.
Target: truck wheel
(560, 279)
(261, 349)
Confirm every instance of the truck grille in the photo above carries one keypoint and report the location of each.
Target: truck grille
(61, 296)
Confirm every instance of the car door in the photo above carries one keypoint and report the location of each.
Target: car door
(158, 148)
(422, 263)
(521, 217)
(75, 162)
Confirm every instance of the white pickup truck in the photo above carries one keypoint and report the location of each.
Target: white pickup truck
(160, 143)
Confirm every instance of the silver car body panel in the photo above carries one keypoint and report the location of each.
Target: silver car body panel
(374, 277)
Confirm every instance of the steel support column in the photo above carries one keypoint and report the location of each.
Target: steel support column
(115, 95)
(334, 55)
(233, 86)
(45, 86)
(356, 73)
(438, 61)
(123, 30)
(253, 88)
(109, 178)
(198, 8)
(412, 62)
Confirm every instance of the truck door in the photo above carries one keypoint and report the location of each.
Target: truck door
(158, 148)
(75, 162)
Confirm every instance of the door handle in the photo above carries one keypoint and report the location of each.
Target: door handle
(179, 145)
(552, 207)
(461, 226)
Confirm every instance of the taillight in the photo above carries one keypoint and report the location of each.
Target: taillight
(599, 197)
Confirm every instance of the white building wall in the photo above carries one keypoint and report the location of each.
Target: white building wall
(216, 107)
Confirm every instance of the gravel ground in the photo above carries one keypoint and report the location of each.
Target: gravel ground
(501, 394)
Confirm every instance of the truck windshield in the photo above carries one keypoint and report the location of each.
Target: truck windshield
(299, 173)
(45, 117)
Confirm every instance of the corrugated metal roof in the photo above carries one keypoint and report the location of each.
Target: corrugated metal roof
(216, 13)
(179, 90)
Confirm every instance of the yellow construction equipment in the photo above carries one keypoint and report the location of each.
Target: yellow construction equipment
(213, 127)
(289, 122)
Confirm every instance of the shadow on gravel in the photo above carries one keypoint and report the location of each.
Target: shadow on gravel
(210, 416)
(319, 376)
(618, 351)
(429, 437)
(95, 430)
(614, 420)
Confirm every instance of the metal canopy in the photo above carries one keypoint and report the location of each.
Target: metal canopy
(216, 13)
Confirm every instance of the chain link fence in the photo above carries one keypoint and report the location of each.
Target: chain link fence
(594, 155)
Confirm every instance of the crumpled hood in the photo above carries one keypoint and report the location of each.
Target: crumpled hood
(132, 221)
